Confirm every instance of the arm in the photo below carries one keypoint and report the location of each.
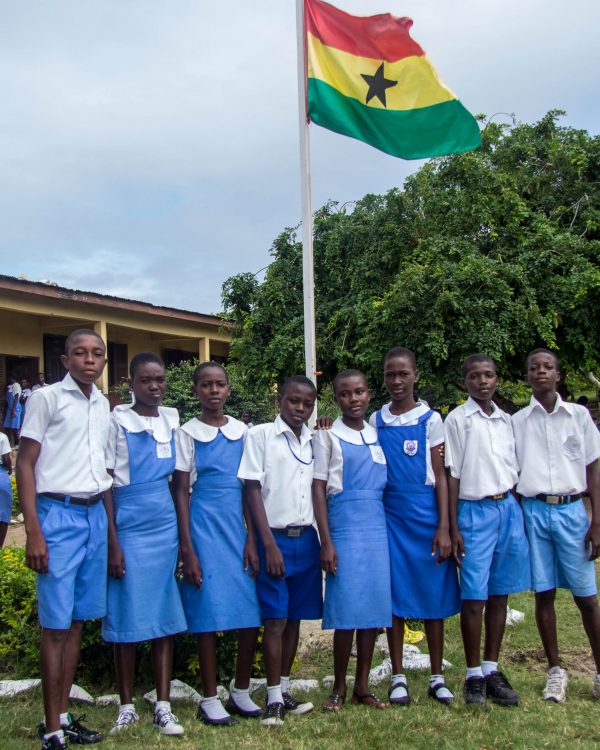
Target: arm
(592, 538)
(274, 558)
(36, 550)
(328, 553)
(192, 571)
(441, 540)
(458, 545)
(251, 561)
(116, 559)
(7, 462)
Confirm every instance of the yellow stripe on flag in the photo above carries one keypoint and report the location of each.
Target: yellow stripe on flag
(418, 83)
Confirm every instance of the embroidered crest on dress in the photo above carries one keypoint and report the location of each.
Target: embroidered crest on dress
(411, 447)
(163, 450)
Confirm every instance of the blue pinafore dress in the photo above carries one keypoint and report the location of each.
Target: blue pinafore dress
(359, 595)
(227, 599)
(420, 588)
(145, 603)
(12, 422)
(6, 497)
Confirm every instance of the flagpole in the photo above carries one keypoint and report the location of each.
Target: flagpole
(310, 355)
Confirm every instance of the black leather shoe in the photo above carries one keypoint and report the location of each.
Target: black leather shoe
(233, 708)
(474, 691)
(226, 721)
(500, 691)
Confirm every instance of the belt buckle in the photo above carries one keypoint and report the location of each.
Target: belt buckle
(553, 499)
(499, 496)
(294, 531)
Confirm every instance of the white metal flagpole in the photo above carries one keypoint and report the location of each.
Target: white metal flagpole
(310, 354)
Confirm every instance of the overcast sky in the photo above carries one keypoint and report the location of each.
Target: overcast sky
(149, 149)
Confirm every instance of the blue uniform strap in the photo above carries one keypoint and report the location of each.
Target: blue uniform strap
(425, 417)
(379, 423)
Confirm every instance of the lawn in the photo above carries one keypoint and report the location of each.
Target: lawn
(423, 725)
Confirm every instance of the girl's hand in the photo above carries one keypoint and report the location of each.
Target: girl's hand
(116, 560)
(36, 553)
(329, 560)
(251, 561)
(192, 570)
(442, 543)
(458, 546)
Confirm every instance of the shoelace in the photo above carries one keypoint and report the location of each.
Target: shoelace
(126, 717)
(76, 723)
(164, 717)
(554, 683)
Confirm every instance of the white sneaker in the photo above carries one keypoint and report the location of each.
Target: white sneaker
(126, 718)
(596, 687)
(167, 723)
(556, 685)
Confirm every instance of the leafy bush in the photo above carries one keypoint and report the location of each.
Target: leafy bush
(16, 506)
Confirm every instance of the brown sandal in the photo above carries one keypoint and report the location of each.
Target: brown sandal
(369, 699)
(334, 702)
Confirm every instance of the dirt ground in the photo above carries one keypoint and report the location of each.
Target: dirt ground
(15, 536)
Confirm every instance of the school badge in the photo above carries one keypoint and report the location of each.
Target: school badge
(411, 447)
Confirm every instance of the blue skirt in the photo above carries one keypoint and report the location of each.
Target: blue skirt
(358, 595)
(6, 497)
(145, 603)
(420, 588)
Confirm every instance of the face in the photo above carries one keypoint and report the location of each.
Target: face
(542, 373)
(24, 383)
(352, 395)
(41, 378)
(149, 384)
(399, 377)
(481, 380)
(297, 404)
(85, 359)
(212, 388)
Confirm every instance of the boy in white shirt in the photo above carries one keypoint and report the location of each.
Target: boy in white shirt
(277, 466)
(486, 523)
(558, 448)
(62, 477)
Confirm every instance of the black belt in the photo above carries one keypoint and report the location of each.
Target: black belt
(559, 499)
(293, 531)
(69, 499)
(499, 496)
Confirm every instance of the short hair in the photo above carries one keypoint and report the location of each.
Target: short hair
(542, 351)
(401, 351)
(475, 359)
(204, 366)
(81, 332)
(583, 401)
(142, 358)
(297, 380)
(347, 374)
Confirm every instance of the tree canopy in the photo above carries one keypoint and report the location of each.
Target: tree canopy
(496, 251)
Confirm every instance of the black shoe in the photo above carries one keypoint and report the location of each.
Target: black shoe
(76, 733)
(54, 743)
(500, 691)
(226, 721)
(292, 706)
(273, 715)
(233, 708)
(474, 691)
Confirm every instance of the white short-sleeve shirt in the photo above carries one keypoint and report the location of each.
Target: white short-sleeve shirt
(553, 449)
(193, 430)
(117, 450)
(329, 460)
(283, 465)
(434, 433)
(4, 445)
(73, 433)
(480, 450)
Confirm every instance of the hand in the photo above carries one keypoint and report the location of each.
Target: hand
(329, 560)
(36, 552)
(441, 542)
(251, 561)
(323, 423)
(441, 448)
(592, 539)
(274, 561)
(116, 560)
(192, 570)
(458, 546)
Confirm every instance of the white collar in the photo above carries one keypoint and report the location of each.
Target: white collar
(281, 426)
(233, 429)
(368, 434)
(161, 427)
(388, 417)
(559, 404)
(69, 384)
(472, 407)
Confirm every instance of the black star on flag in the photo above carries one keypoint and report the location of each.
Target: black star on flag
(378, 85)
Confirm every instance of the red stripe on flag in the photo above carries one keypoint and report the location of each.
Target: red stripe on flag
(383, 37)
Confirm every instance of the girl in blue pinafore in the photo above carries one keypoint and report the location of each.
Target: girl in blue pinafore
(424, 582)
(12, 416)
(349, 478)
(6, 496)
(143, 597)
(218, 550)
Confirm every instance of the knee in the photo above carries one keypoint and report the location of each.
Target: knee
(586, 604)
(275, 627)
(472, 608)
(52, 636)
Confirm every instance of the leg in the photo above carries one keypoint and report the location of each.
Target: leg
(125, 669)
(289, 645)
(207, 655)
(434, 630)
(471, 615)
(545, 617)
(52, 653)
(247, 638)
(590, 616)
(365, 645)
(3, 530)
(342, 647)
(162, 664)
(395, 639)
(70, 660)
(273, 648)
(495, 623)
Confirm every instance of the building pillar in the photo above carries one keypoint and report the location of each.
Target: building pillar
(100, 329)
(204, 349)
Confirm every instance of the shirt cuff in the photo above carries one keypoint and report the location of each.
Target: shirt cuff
(254, 476)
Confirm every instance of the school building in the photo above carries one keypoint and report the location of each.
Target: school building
(36, 318)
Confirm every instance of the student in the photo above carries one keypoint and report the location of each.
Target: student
(62, 478)
(277, 466)
(25, 394)
(558, 448)
(488, 533)
(12, 416)
(218, 551)
(41, 383)
(6, 497)
(416, 506)
(143, 597)
(349, 478)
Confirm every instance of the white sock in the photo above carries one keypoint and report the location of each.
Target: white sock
(285, 684)
(434, 679)
(162, 706)
(487, 667)
(59, 733)
(213, 708)
(399, 689)
(274, 694)
(474, 672)
(64, 719)
(443, 692)
(128, 707)
(242, 699)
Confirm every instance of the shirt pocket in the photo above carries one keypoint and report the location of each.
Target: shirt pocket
(573, 448)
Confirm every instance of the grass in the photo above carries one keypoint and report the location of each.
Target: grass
(423, 725)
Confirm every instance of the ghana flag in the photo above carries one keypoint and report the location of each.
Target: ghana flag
(369, 80)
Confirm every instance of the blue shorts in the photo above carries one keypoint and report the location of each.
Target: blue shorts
(75, 586)
(496, 561)
(298, 596)
(558, 557)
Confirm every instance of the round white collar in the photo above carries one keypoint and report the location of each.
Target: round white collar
(161, 427)
(233, 429)
(367, 435)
